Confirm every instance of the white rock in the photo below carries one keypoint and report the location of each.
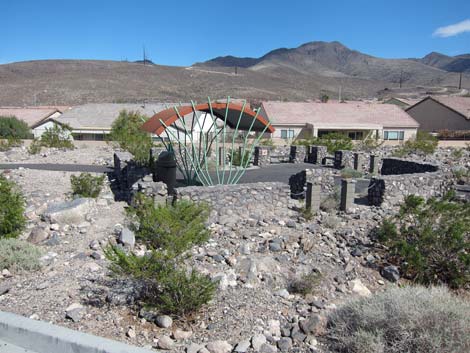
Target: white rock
(164, 321)
(219, 347)
(257, 341)
(275, 328)
(179, 334)
(359, 288)
(165, 342)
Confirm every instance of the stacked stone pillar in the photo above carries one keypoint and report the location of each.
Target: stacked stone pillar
(262, 156)
(348, 193)
(374, 164)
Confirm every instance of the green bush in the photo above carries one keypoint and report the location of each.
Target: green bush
(334, 141)
(168, 231)
(11, 127)
(12, 203)
(423, 143)
(306, 284)
(411, 319)
(126, 132)
(35, 146)
(239, 157)
(9, 143)
(18, 255)
(57, 137)
(430, 240)
(331, 201)
(350, 173)
(86, 185)
(175, 228)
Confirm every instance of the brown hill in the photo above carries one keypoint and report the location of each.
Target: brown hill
(284, 74)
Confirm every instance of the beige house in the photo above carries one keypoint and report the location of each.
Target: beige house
(440, 113)
(355, 119)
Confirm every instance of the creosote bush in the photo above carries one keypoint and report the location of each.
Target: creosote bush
(412, 319)
(126, 132)
(175, 228)
(87, 185)
(18, 255)
(306, 284)
(12, 203)
(333, 141)
(239, 157)
(430, 240)
(168, 231)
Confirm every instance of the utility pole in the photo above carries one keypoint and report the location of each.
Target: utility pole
(145, 57)
(339, 95)
(460, 81)
(236, 70)
(401, 77)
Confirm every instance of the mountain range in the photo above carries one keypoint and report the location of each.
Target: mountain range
(298, 74)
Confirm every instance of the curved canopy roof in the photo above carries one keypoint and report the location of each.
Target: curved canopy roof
(234, 111)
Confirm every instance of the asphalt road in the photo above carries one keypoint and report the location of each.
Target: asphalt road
(274, 172)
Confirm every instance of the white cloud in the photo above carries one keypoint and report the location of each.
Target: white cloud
(452, 30)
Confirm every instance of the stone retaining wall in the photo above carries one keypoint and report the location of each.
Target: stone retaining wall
(389, 190)
(230, 203)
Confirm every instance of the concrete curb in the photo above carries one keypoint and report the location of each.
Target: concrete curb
(42, 337)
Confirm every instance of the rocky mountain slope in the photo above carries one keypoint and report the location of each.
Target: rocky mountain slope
(297, 74)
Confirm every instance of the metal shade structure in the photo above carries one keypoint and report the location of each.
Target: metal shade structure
(192, 144)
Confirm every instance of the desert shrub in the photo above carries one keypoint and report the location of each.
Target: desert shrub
(9, 143)
(412, 319)
(18, 255)
(430, 240)
(369, 144)
(331, 222)
(462, 175)
(266, 142)
(35, 146)
(239, 157)
(57, 136)
(168, 231)
(306, 284)
(86, 185)
(12, 220)
(173, 227)
(457, 153)
(331, 201)
(334, 141)
(126, 132)
(350, 173)
(11, 127)
(423, 143)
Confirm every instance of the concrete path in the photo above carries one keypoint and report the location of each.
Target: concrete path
(59, 167)
(20, 334)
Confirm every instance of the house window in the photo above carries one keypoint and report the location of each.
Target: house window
(394, 135)
(287, 134)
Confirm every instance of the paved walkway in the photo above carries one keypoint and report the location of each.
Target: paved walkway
(59, 167)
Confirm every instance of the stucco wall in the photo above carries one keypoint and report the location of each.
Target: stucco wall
(433, 116)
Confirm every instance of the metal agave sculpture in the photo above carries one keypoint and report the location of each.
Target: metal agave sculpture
(193, 148)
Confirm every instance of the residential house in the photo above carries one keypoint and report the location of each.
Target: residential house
(353, 118)
(438, 113)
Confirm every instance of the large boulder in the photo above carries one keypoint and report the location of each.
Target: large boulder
(69, 212)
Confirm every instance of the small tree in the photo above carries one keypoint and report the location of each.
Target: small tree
(13, 128)
(57, 136)
(126, 132)
(12, 220)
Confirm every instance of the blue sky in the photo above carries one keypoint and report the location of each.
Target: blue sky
(183, 32)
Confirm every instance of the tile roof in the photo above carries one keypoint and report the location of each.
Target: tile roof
(459, 104)
(102, 115)
(30, 115)
(348, 114)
